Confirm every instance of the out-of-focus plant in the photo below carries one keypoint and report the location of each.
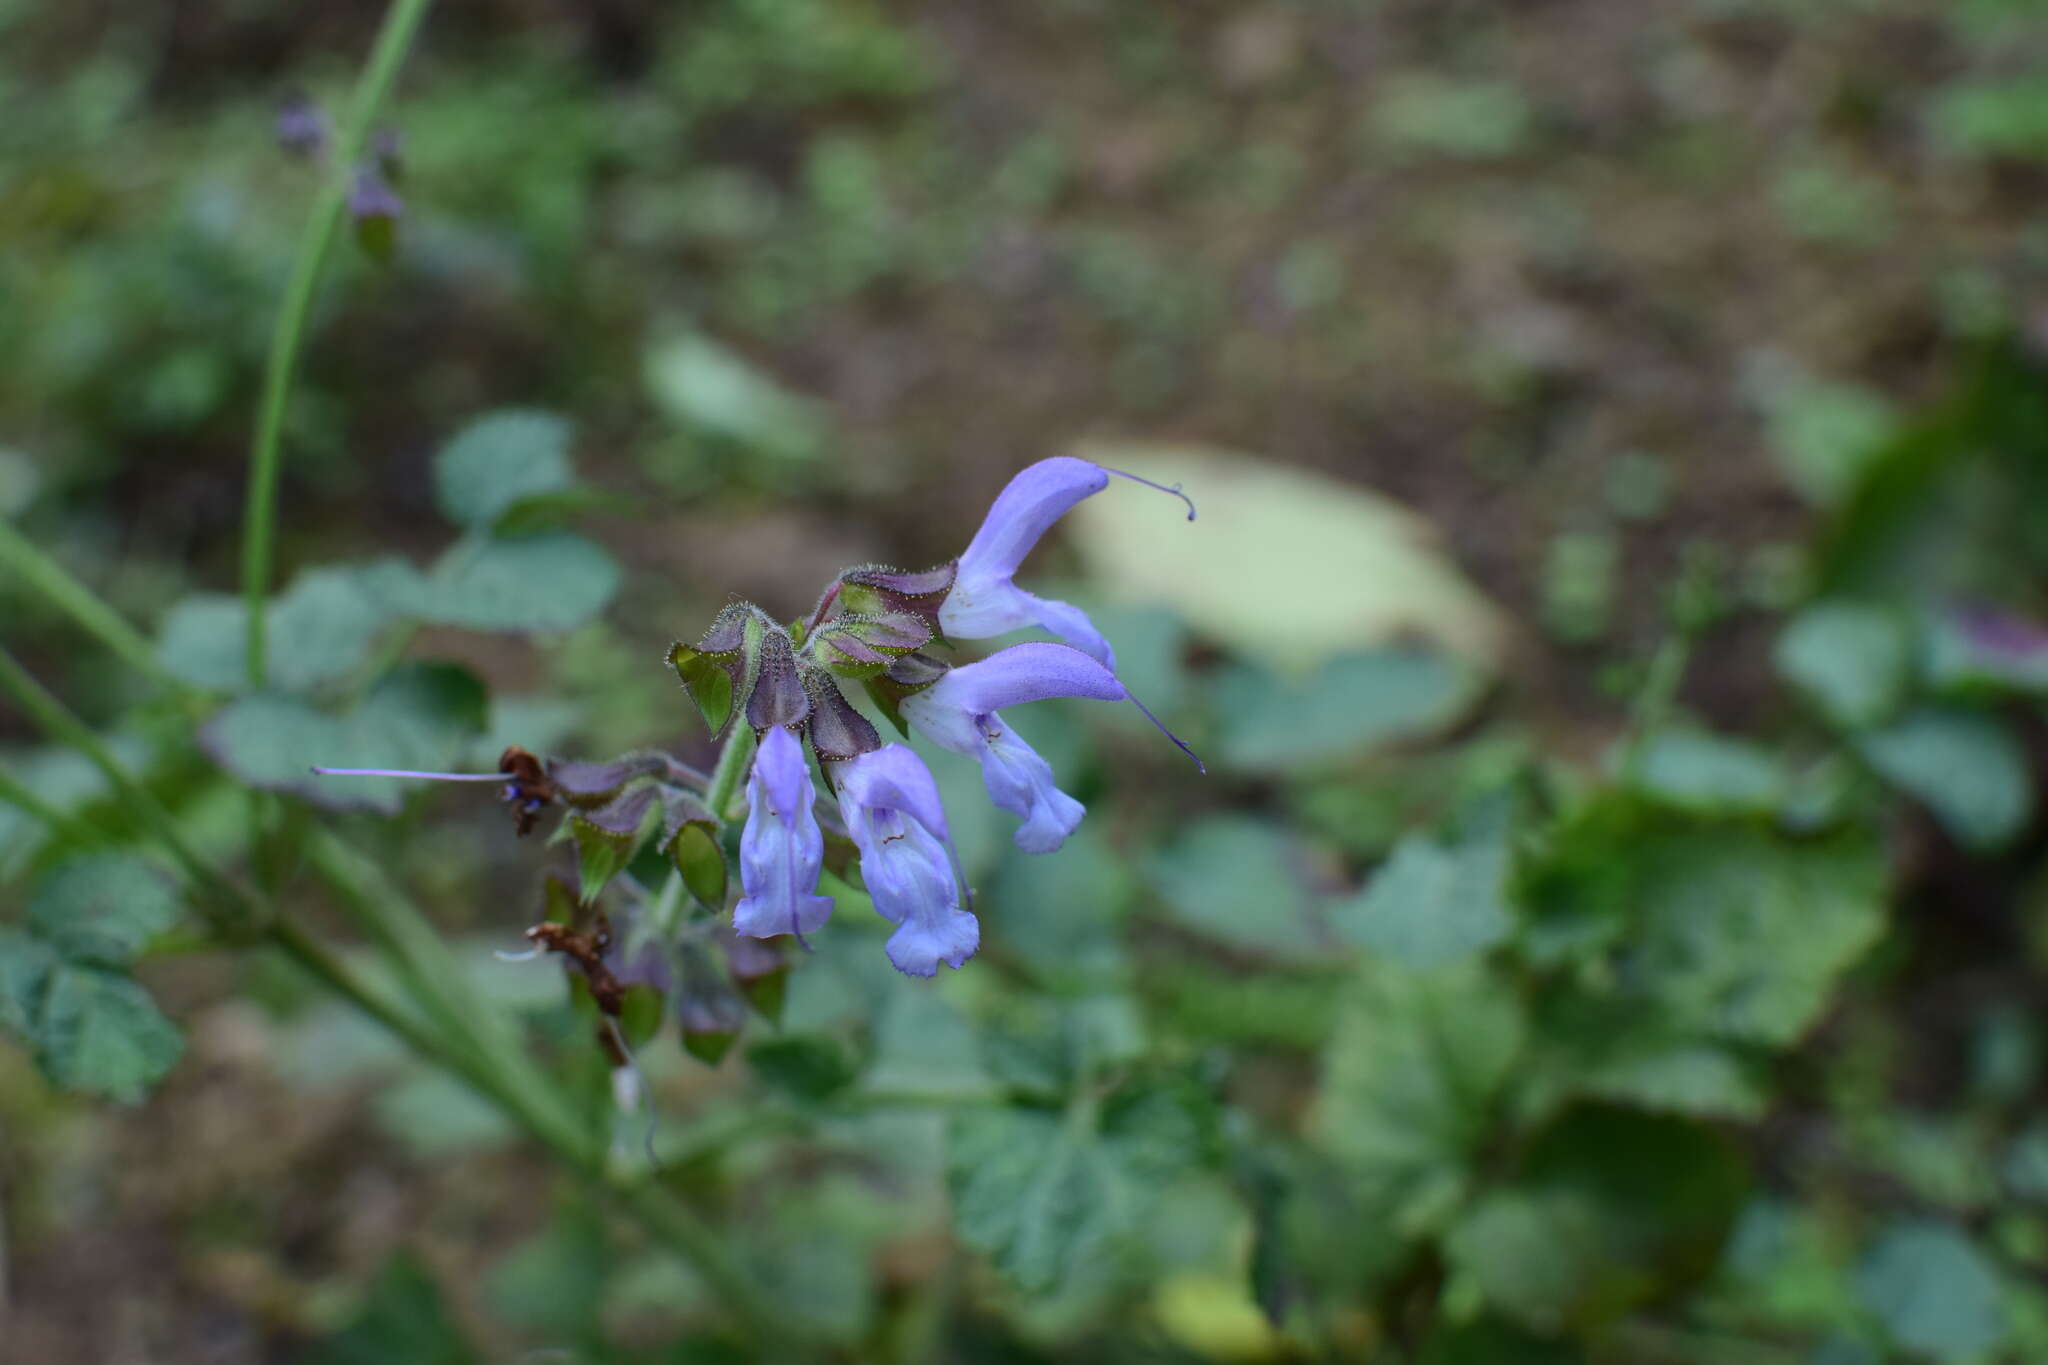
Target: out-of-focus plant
(1407, 1036)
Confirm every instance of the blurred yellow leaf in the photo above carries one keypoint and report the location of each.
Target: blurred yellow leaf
(1285, 564)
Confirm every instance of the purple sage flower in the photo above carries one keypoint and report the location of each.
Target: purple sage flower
(891, 807)
(984, 600)
(959, 713)
(781, 848)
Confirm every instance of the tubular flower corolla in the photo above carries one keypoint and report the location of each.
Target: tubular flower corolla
(891, 807)
(781, 849)
(959, 712)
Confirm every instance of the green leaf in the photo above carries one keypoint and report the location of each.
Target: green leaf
(1409, 1080)
(713, 392)
(1969, 769)
(1066, 914)
(437, 1116)
(1622, 1049)
(1935, 1293)
(1709, 774)
(1827, 435)
(25, 966)
(99, 1033)
(1347, 707)
(608, 837)
(1724, 930)
(403, 1318)
(1610, 1209)
(1239, 880)
(103, 908)
(1852, 659)
(418, 717)
(1053, 1201)
(541, 584)
(1744, 934)
(1315, 567)
(498, 461)
(319, 629)
(1680, 1078)
(806, 1066)
(1433, 904)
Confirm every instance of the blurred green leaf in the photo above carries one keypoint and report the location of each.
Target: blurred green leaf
(713, 392)
(1346, 707)
(25, 966)
(1678, 1078)
(807, 1066)
(402, 1319)
(99, 1033)
(1968, 768)
(437, 1116)
(1709, 774)
(419, 717)
(1065, 915)
(1409, 1081)
(103, 909)
(545, 583)
(1315, 568)
(1723, 929)
(555, 1280)
(1853, 659)
(498, 461)
(1827, 435)
(1427, 114)
(319, 629)
(1056, 1200)
(2026, 1163)
(1434, 903)
(1934, 1291)
(1239, 880)
(1995, 118)
(1610, 1208)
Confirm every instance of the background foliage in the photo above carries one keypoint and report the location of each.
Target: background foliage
(1613, 928)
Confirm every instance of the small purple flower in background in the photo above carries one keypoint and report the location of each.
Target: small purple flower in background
(891, 807)
(958, 712)
(301, 127)
(985, 601)
(781, 848)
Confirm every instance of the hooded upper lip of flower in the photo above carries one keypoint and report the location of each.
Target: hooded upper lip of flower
(959, 713)
(892, 810)
(781, 848)
(984, 600)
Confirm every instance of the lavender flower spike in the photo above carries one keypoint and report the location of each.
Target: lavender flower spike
(984, 600)
(959, 713)
(892, 810)
(781, 848)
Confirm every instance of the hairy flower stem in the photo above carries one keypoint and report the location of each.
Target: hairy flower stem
(387, 54)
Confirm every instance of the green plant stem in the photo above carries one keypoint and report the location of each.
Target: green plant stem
(732, 767)
(57, 721)
(440, 984)
(394, 39)
(18, 794)
(20, 557)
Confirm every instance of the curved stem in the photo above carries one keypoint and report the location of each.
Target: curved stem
(20, 557)
(57, 721)
(394, 38)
